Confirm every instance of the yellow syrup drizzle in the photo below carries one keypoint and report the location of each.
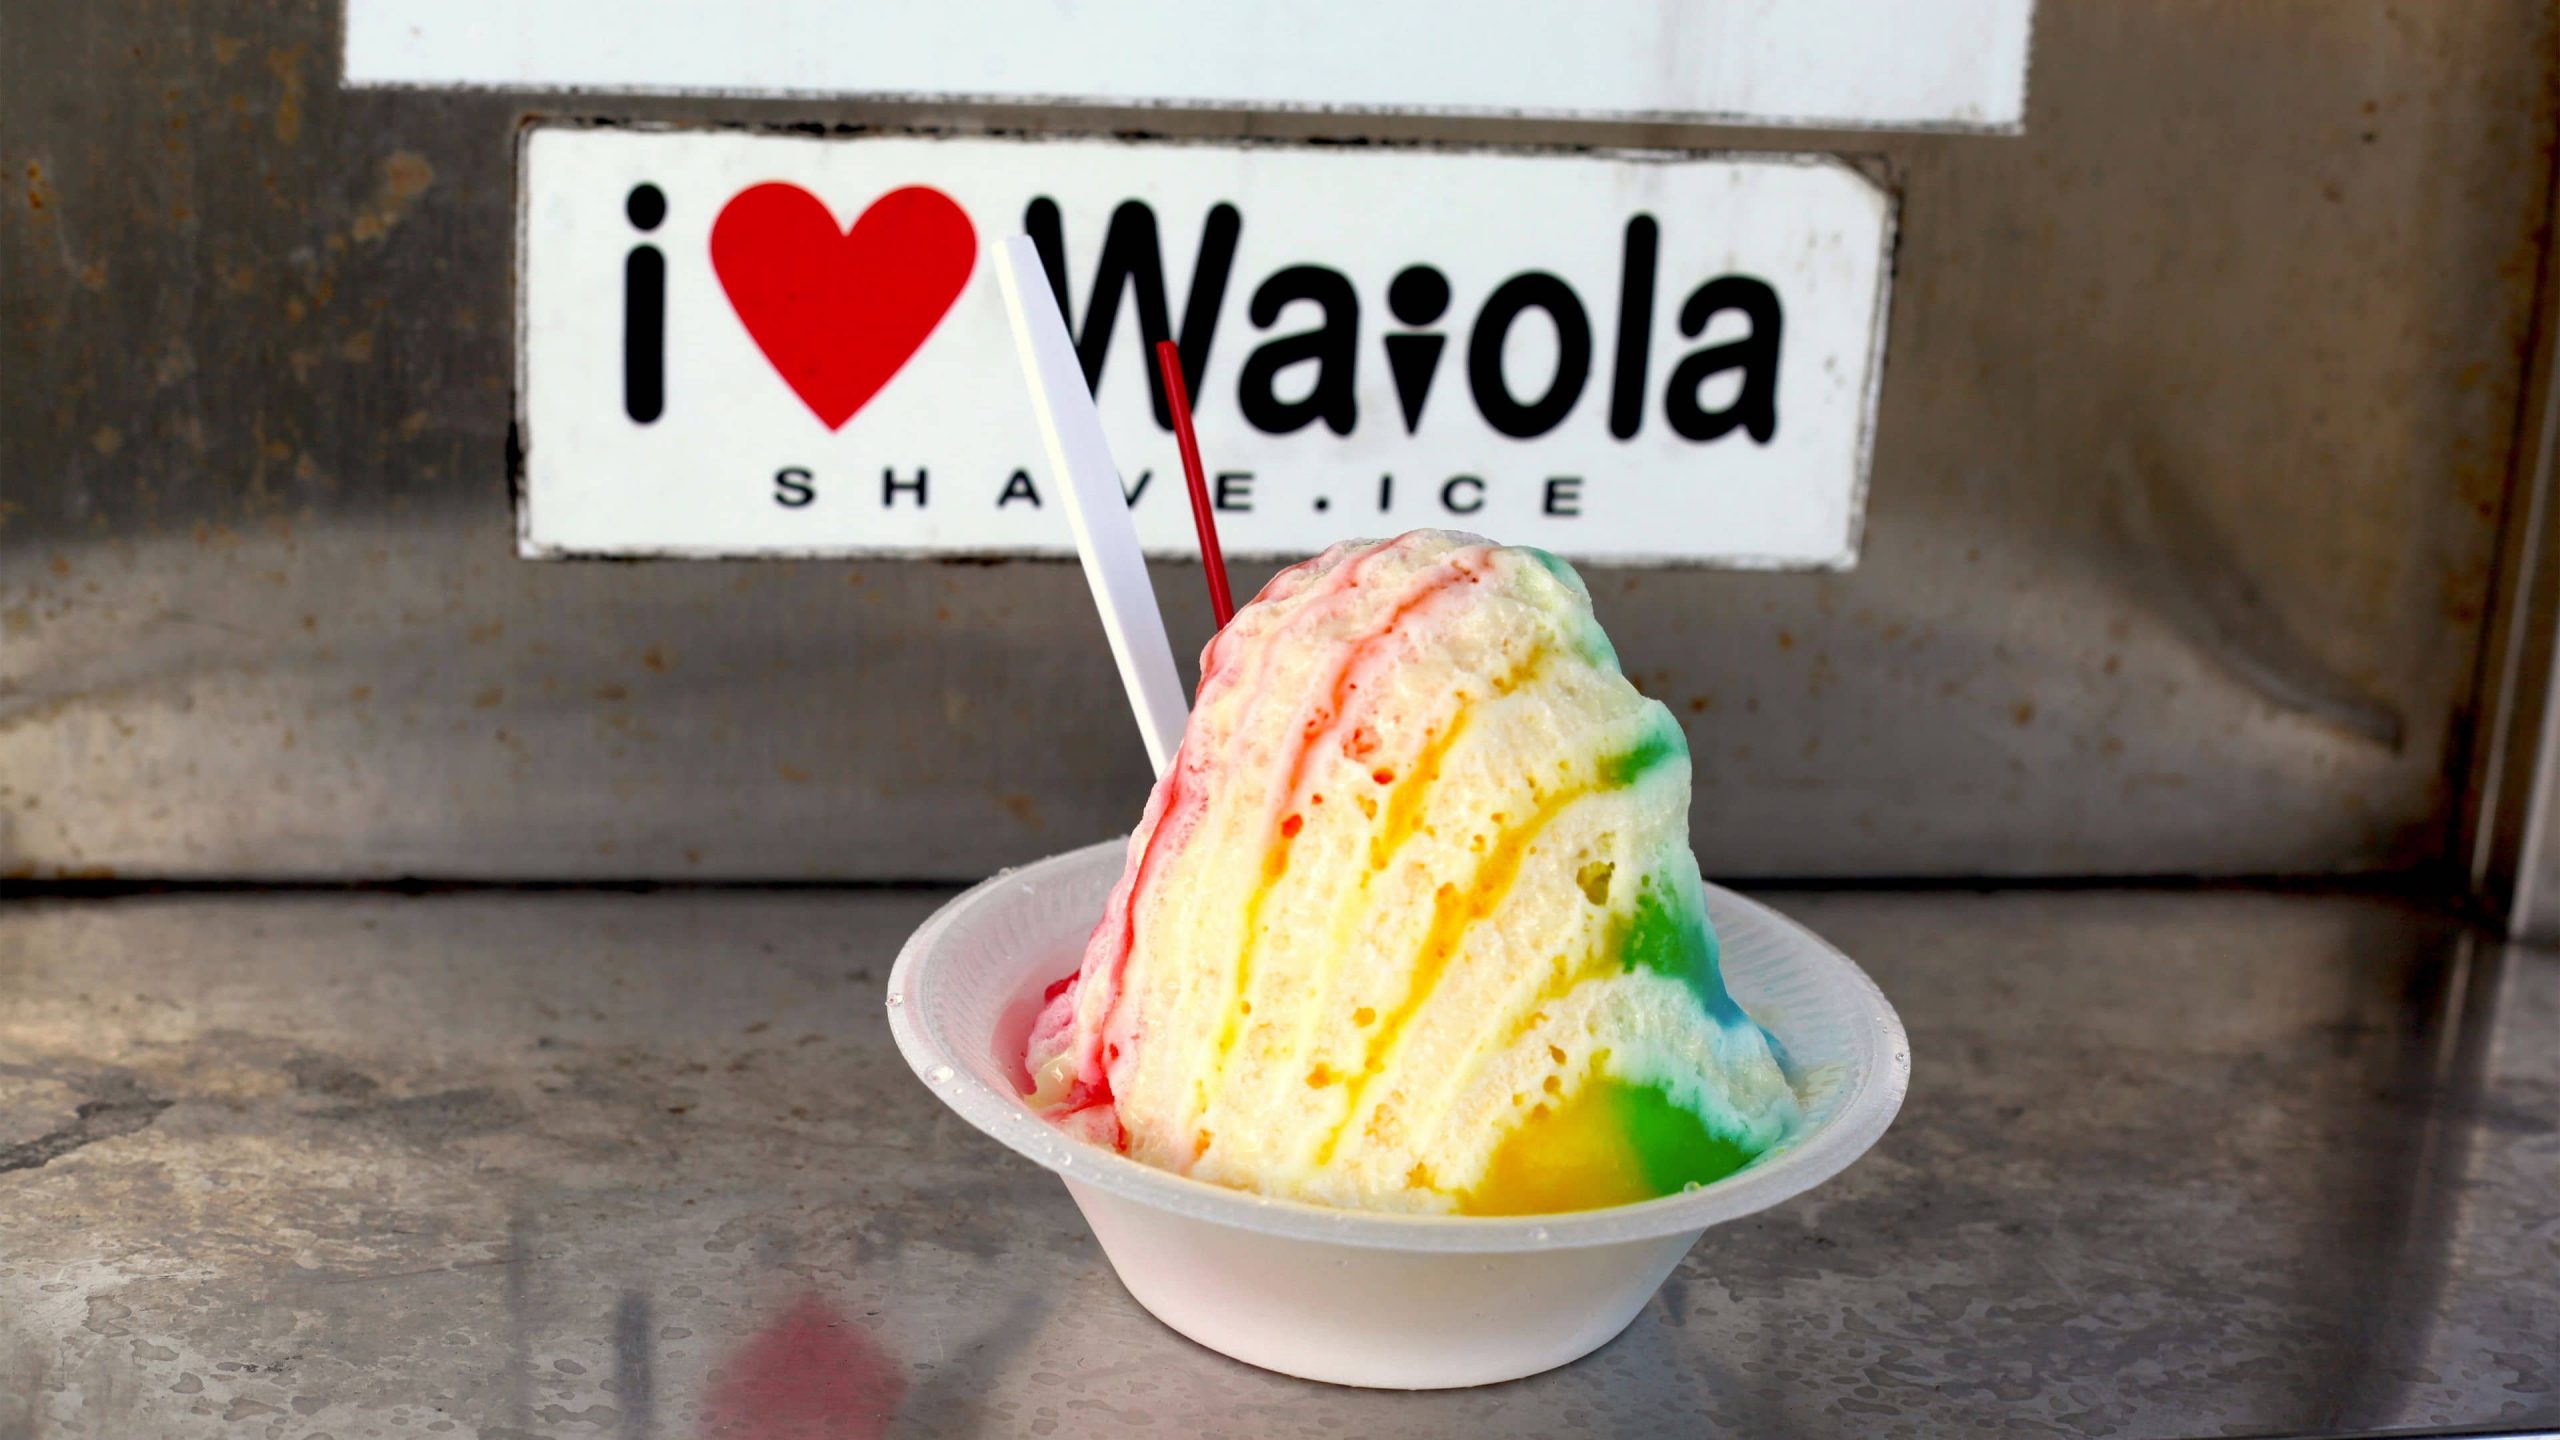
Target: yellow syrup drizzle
(1404, 802)
(1453, 912)
(1403, 819)
(1275, 859)
(1562, 980)
(1275, 863)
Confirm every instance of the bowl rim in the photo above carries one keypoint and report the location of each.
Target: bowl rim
(1855, 1123)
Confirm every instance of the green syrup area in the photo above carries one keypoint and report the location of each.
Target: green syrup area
(1665, 932)
(1662, 742)
(1611, 1143)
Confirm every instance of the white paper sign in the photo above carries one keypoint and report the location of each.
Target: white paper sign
(1946, 64)
(735, 343)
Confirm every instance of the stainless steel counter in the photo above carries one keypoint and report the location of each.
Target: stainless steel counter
(571, 1163)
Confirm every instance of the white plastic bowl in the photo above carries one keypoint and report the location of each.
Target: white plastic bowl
(1355, 1298)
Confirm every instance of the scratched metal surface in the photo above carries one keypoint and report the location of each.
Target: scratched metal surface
(648, 1166)
(2192, 449)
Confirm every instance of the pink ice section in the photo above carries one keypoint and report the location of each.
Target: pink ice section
(1086, 1113)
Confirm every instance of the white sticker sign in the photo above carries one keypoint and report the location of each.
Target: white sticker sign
(1946, 64)
(735, 343)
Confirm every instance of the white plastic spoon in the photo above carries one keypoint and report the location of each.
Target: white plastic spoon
(1097, 508)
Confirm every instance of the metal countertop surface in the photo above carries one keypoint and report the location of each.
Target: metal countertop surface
(508, 1164)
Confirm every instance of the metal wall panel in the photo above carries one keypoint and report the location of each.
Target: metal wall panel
(2192, 454)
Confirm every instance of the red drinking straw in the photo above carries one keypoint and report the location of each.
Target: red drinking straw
(1212, 559)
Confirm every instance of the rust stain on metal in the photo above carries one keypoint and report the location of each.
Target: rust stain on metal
(285, 63)
(405, 176)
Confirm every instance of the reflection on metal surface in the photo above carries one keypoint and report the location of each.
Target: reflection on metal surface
(258, 614)
(2403, 1237)
(635, 1380)
(810, 1373)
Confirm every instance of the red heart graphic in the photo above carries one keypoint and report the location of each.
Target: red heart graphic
(839, 312)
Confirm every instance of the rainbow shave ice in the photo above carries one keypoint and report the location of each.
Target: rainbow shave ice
(1412, 922)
